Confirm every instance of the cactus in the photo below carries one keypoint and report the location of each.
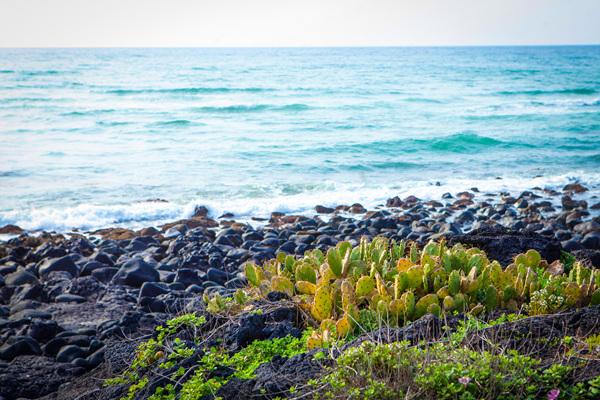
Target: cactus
(343, 326)
(305, 272)
(415, 277)
(334, 259)
(491, 298)
(408, 305)
(423, 304)
(304, 287)
(414, 253)
(533, 258)
(460, 303)
(314, 341)
(252, 275)
(449, 303)
(322, 304)
(365, 286)
(454, 283)
(379, 278)
(434, 309)
(282, 284)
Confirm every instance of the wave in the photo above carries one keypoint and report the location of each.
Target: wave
(422, 100)
(241, 108)
(174, 122)
(43, 72)
(88, 112)
(7, 71)
(383, 165)
(547, 92)
(54, 154)
(189, 90)
(261, 201)
(463, 143)
(213, 68)
(14, 173)
(112, 123)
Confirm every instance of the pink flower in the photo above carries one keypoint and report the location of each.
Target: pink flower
(465, 381)
(553, 394)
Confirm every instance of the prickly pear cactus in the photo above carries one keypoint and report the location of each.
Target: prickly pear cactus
(398, 283)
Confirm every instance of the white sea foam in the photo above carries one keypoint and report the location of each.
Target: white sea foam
(153, 213)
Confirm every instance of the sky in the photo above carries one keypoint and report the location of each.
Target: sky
(270, 23)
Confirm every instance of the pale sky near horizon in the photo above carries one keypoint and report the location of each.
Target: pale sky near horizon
(201, 23)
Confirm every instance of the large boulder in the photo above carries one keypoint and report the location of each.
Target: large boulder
(135, 272)
(65, 264)
(503, 244)
(20, 277)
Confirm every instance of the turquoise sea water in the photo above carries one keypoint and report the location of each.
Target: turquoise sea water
(87, 137)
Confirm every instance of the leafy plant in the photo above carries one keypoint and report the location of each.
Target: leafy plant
(397, 282)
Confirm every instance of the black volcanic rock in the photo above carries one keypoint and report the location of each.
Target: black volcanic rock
(503, 244)
(135, 272)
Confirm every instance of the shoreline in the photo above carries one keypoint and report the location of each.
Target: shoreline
(540, 203)
(139, 213)
(66, 300)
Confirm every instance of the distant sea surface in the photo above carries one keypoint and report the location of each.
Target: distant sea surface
(90, 137)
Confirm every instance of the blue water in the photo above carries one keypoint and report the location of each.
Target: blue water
(88, 137)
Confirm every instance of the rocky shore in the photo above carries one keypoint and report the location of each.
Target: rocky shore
(73, 307)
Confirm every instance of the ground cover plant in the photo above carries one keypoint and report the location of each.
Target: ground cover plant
(348, 292)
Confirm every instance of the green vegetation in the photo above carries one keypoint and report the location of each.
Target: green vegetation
(438, 371)
(243, 365)
(202, 380)
(398, 283)
(160, 348)
(350, 291)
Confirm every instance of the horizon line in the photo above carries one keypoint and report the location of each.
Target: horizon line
(300, 46)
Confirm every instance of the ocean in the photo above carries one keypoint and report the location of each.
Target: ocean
(91, 138)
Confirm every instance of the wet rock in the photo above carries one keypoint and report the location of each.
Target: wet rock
(357, 208)
(216, 275)
(63, 264)
(10, 230)
(575, 188)
(43, 330)
(571, 245)
(150, 231)
(115, 233)
(394, 202)
(70, 353)
(96, 358)
(153, 289)
(200, 211)
(569, 204)
(20, 277)
(69, 298)
(590, 257)
(324, 210)
(465, 195)
(503, 244)
(29, 314)
(19, 346)
(104, 257)
(591, 241)
(105, 274)
(187, 277)
(252, 235)
(135, 272)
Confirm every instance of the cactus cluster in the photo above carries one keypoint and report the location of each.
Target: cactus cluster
(399, 283)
